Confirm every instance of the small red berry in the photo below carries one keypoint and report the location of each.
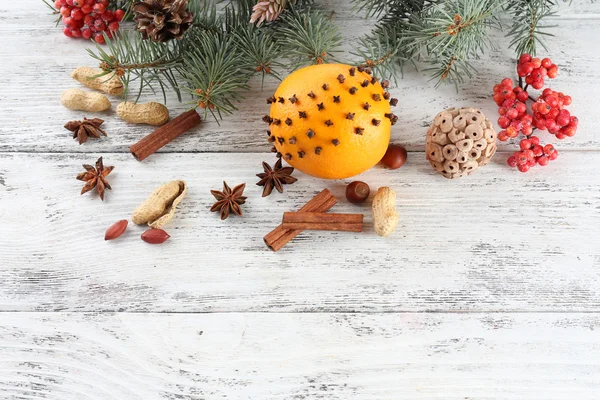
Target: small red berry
(119, 14)
(525, 144)
(538, 151)
(86, 33)
(523, 167)
(99, 38)
(65, 11)
(507, 82)
(100, 25)
(521, 158)
(553, 156)
(113, 26)
(77, 14)
(537, 84)
(546, 63)
(89, 20)
(108, 15)
(504, 122)
(524, 58)
(543, 161)
(512, 161)
(549, 149)
(99, 8)
(512, 113)
(529, 154)
(552, 72)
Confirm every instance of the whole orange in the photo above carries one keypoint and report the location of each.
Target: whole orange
(331, 121)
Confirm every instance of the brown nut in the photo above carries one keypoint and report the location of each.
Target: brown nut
(357, 192)
(116, 230)
(394, 157)
(385, 216)
(155, 236)
(79, 100)
(108, 83)
(151, 113)
(160, 207)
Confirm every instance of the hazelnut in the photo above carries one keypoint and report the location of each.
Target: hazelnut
(357, 192)
(394, 157)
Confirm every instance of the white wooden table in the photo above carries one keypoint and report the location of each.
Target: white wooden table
(490, 288)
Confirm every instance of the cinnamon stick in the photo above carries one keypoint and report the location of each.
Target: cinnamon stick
(165, 134)
(316, 221)
(279, 236)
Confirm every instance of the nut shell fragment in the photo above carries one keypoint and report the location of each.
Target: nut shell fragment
(160, 207)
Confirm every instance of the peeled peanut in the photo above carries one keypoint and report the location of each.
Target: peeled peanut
(78, 100)
(160, 207)
(385, 216)
(109, 83)
(148, 113)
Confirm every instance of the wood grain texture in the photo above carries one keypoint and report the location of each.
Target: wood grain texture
(497, 240)
(490, 288)
(299, 356)
(39, 64)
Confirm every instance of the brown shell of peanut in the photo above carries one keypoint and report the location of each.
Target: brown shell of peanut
(459, 141)
(160, 207)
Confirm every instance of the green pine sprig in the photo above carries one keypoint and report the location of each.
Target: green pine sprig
(308, 37)
(215, 73)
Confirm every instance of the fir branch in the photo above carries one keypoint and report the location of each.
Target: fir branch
(215, 73)
(527, 30)
(454, 31)
(261, 48)
(308, 37)
(372, 8)
(380, 50)
(206, 17)
(135, 59)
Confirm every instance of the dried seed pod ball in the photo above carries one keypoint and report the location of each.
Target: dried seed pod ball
(331, 121)
(459, 141)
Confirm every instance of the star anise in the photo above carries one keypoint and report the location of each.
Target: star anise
(229, 200)
(275, 177)
(95, 178)
(82, 130)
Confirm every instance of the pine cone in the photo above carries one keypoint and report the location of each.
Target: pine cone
(268, 10)
(162, 20)
(459, 141)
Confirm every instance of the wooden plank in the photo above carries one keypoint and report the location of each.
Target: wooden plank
(40, 61)
(497, 240)
(299, 356)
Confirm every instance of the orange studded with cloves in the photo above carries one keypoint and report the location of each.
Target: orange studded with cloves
(331, 121)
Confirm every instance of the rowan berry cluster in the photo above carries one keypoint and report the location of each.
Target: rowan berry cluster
(89, 19)
(547, 112)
